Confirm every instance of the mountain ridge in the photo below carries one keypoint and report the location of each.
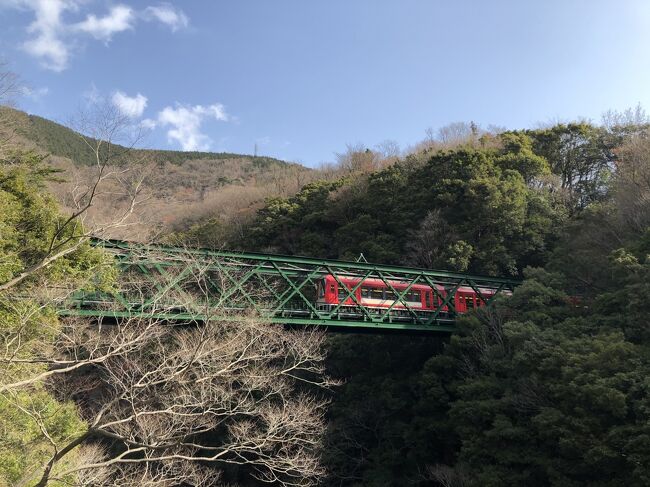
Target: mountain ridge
(178, 187)
(57, 139)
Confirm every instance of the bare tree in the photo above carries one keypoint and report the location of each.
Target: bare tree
(357, 158)
(447, 476)
(388, 150)
(427, 246)
(169, 404)
(10, 89)
(632, 182)
(9, 85)
(454, 135)
(628, 121)
(100, 127)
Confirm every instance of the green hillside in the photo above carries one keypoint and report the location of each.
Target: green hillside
(537, 391)
(180, 187)
(59, 140)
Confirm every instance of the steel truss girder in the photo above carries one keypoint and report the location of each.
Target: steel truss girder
(180, 284)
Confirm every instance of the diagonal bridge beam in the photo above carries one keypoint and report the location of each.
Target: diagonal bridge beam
(181, 284)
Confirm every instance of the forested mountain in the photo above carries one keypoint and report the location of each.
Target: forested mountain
(62, 141)
(547, 388)
(176, 187)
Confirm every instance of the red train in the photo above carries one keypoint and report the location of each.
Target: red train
(377, 296)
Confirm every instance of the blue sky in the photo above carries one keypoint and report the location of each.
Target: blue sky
(301, 79)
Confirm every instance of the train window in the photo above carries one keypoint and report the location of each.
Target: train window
(365, 292)
(343, 292)
(332, 288)
(414, 297)
(484, 300)
(376, 293)
(390, 295)
(469, 302)
(427, 297)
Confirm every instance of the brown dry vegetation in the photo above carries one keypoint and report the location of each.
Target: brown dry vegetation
(178, 190)
(174, 194)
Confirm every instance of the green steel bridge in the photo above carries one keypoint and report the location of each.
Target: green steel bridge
(181, 284)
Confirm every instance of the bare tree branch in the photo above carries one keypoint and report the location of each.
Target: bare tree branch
(175, 403)
(100, 129)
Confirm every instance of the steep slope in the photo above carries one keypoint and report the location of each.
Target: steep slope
(62, 141)
(177, 188)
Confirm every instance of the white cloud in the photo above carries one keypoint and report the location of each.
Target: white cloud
(131, 106)
(47, 29)
(185, 124)
(92, 95)
(52, 37)
(35, 93)
(148, 124)
(120, 18)
(167, 14)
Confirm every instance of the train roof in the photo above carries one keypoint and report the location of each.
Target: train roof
(379, 282)
(402, 284)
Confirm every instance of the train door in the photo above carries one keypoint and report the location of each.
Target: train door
(321, 286)
(459, 303)
(433, 299)
(464, 301)
(483, 299)
(330, 290)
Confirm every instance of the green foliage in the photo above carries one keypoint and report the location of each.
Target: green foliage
(581, 155)
(518, 155)
(62, 141)
(624, 305)
(542, 396)
(281, 223)
(22, 445)
(30, 226)
(539, 391)
(211, 233)
(548, 389)
(378, 435)
(499, 223)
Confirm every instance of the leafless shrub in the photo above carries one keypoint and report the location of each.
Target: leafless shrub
(358, 158)
(635, 118)
(632, 182)
(448, 476)
(427, 245)
(167, 404)
(10, 86)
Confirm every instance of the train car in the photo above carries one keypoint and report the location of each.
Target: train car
(467, 298)
(379, 297)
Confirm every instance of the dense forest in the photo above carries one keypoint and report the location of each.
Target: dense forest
(548, 387)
